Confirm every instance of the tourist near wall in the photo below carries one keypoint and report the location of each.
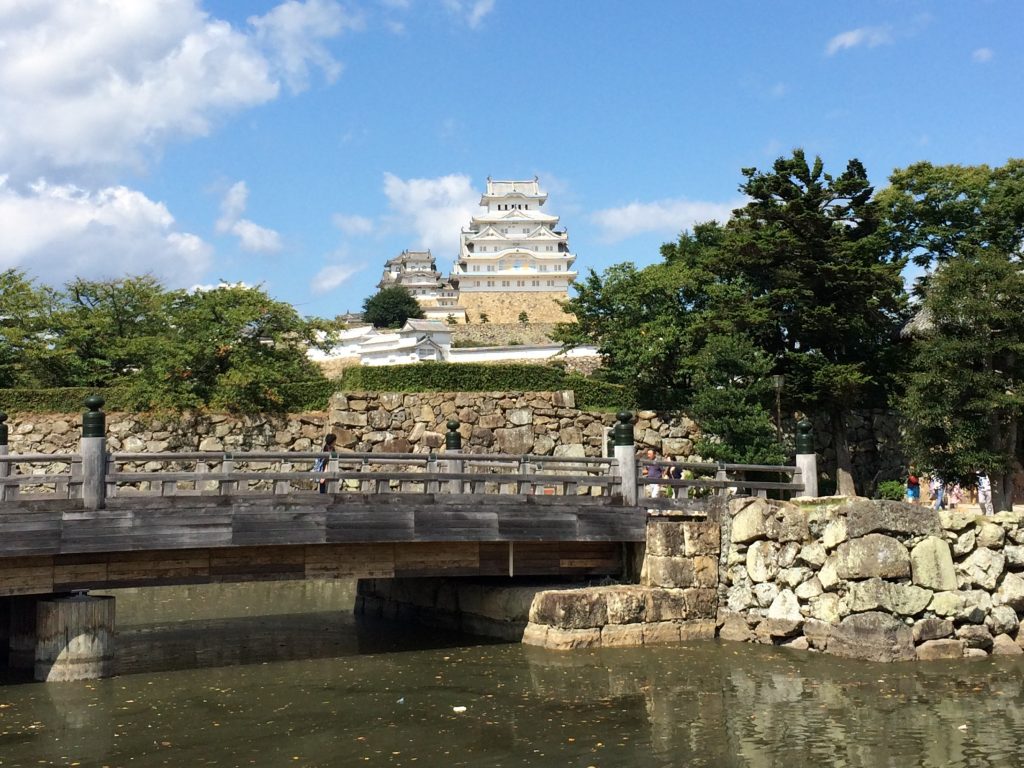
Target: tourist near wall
(884, 581)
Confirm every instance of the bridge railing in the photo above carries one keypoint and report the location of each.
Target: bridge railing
(210, 473)
(703, 478)
(40, 475)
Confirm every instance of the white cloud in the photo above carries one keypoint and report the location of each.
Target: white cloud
(332, 276)
(102, 84)
(472, 12)
(982, 55)
(252, 237)
(435, 209)
(353, 226)
(58, 232)
(293, 33)
(669, 216)
(871, 37)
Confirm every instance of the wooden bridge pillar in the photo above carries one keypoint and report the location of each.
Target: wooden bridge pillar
(74, 638)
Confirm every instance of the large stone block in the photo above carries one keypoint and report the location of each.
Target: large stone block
(701, 538)
(900, 599)
(1002, 620)
(931, 564)
(570, 639)
(625, 604)
(660, 633)
(938, 650)
(705, 571)
(785, 606)
(750, 524)
(762, 561)
(665, 605)
(665, 537)
(872, 636)
(735, 629)
(696, 630)
(828, 608)
(701, 603)
(975, 636)
(1003, 645)
(834, 534)
(788, 523)
(1011, 592)
(971, 606)
(670, 572)
(983, 567)
(991, 536)
(622, 635)
(570, 609)
(874, 555)
(515, 440)
(932, 629)
(864, 516)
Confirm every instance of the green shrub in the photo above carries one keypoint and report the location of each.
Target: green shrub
(894, 490)
(486, 377)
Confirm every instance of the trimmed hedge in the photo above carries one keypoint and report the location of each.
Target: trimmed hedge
(485, 377)
(591, 394)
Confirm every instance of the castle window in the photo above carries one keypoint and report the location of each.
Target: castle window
(536, 282)
(504, 283)
(490, 283)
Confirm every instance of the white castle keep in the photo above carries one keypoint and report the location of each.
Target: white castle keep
(512, 259)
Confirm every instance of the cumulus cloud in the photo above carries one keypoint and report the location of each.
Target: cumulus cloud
(982, 55)
(472, 12)
(669, 216)
(251, 236)
(436, 210)
(332, 276)
(353, 225)
(60, 231)
(870, 37)
(101, 84)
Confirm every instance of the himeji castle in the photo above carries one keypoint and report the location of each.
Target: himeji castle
(512, 259)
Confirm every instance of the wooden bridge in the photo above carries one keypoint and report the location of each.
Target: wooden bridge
(76, 522)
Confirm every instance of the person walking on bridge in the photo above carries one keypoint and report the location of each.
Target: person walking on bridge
(320, 464)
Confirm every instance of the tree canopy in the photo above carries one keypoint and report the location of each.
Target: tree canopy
(390, 307)
(965, 378)
(231, 347)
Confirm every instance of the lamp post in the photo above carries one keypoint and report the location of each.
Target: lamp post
(778, 381)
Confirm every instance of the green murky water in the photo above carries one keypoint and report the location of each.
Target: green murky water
(282, 675)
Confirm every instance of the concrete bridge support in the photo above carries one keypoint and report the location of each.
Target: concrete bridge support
(59, 637)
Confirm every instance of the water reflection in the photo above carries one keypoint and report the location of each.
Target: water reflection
(314, 687)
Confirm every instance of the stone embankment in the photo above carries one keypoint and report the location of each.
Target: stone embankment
(543, 423)
(884, 581)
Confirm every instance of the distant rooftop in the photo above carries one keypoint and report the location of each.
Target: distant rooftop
(504, 188)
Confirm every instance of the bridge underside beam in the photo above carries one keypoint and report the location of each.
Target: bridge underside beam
(91, 571)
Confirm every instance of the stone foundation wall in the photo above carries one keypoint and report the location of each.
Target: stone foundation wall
(883, 581)
(505, 306)
(543, 423)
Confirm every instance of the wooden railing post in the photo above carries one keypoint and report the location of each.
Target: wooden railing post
(433, 485)
(94, 454)
(453, 444)
(332, 466)
(227, 466)
(806, 458)
(721, 474)
(625, 453)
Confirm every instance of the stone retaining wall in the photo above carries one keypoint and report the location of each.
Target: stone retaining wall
(543, 423)
(884, 581)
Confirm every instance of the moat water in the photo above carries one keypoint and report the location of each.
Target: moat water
(283, 675)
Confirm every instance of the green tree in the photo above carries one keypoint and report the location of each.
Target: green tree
(822, 295)
(965, 392)
(107, 331)
(390, 307)
(235, 348)
(27, 331)
(524, 317)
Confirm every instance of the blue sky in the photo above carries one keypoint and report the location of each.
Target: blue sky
(302, 144)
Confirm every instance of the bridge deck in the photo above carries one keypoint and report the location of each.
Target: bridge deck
(56, 545)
